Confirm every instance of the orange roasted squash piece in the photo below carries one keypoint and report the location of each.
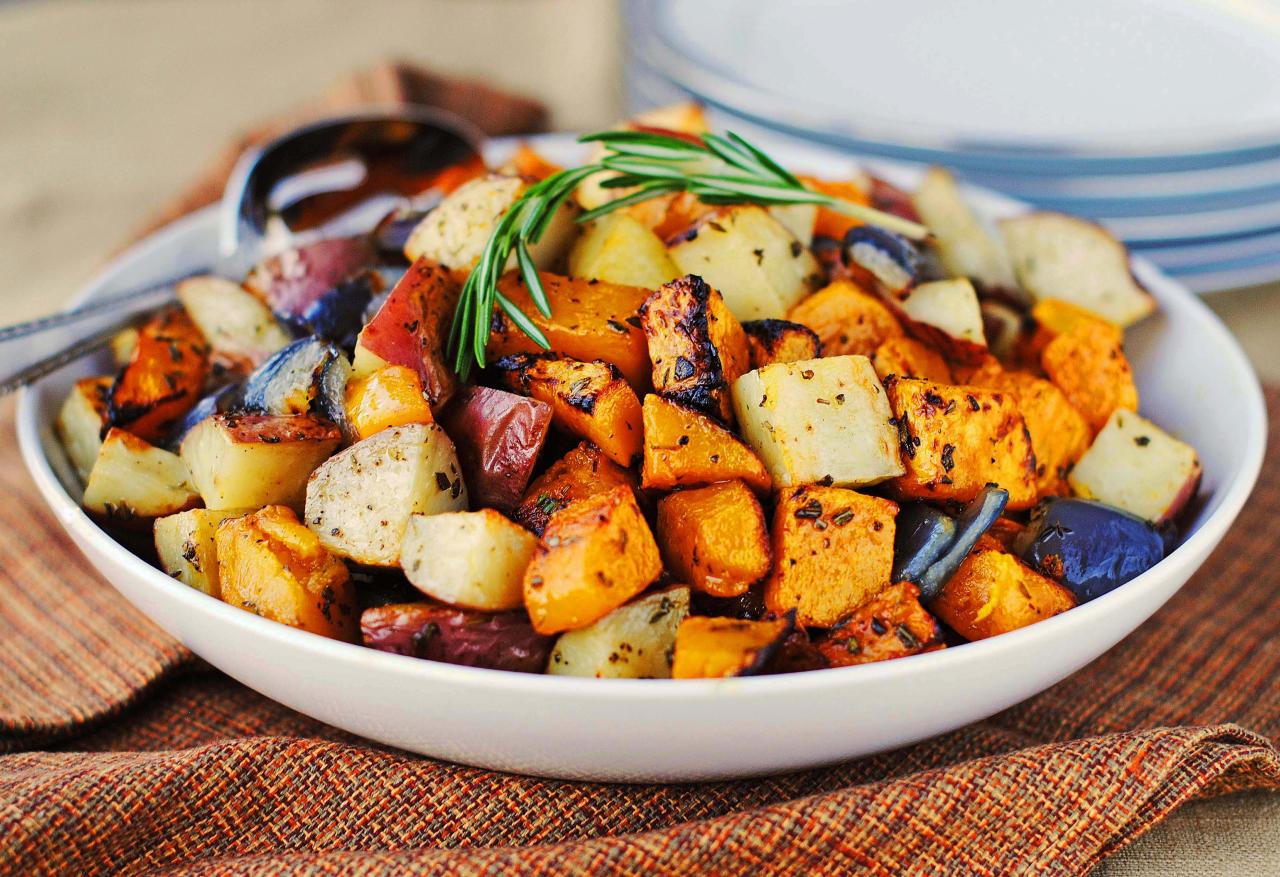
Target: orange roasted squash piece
(1086, 362)
(391, 396)
(712, 648)
(908, 358)
(830, 223)
(589, 320)
(588, 399)
(683, 448)
(582, 473)
(846, 319)
(594, 556)
(993, 592)
(890, 625)
(272, 565)
(770, 341)
(832, 552)
(529, 163)
(955, 440)
(714, 538)
(697, 347)
(164, 377)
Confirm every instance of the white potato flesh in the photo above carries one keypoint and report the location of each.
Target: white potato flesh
(122, 346)
(360, 500)
(133, 479)
(618, 248)
(471, 559)
(949, 305)
(798, 219)
(1136, 466)
(456, 231)
(186, 549)
(631, 642)
(819, 420)
(80, 423)
(1076, 261)
(963, 243)
(235, 467)
(234, 322)
(758, 266)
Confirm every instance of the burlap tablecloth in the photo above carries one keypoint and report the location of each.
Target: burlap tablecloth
(153, 762)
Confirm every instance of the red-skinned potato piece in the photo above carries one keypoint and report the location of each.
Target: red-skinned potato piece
(498, 436)
(496, 641)
(412, 328)
(289, 282)
(164, 378)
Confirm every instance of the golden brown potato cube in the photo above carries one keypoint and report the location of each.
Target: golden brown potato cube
(955, 440)
(909, 358)
(593, 557)
(588, 399)
(994, 592)
(832, 552)
(582, 473)
(847, 319)
(132, 482)
(271, 565)
(589, 320)
(186, 546)
(1059, 434)
(890, 625)
(683, 448)
(1087, 363)
(80, 422)
(714, 538)
(770, 341)
(712, 648)
(697, 347)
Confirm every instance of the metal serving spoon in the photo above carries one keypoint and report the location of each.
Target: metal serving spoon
(327, 179)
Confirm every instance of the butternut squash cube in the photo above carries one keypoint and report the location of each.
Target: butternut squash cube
(683, 448)
(714, 538)
(846, 319)
(994, 592)
(713, 648)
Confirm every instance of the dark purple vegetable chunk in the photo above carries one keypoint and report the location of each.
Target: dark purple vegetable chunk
(1089, 546)
(922, 535)
(976, 519)
(292, 380)
(891, 258)
(392, 231)
(496, 641)
(338, 315)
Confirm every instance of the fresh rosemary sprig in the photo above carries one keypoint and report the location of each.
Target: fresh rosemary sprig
(716, 169)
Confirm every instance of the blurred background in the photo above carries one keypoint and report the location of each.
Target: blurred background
(1161, 118)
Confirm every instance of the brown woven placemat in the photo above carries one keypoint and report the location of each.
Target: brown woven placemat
(152, 762)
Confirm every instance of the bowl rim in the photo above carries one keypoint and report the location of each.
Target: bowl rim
(1233, 494)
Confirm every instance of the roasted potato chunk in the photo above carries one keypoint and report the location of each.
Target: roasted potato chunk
(588, 321)
(587, 399)
(909, 358)
(890, 625)
(81, 420)
(714, 538)
(618, 248)
(963, 244)
(697, 347)
(186, 547)
(955, 440)
(133, 480)
(594, 556)
(240, 329)
(994, 592)
(411, 329)
(163, 379)
(360, 500)
(846, 319)
(274, 567)
(770, 341)
(683, 448)
(635, 641)
(494, 640)
(582, 473)
(749, 256)
(832, 552)
(1136, 466)
(819, 420)
(471, 559)
(253, 460)
(1087, 363)
(498, 436)
(712, 648)
(391, 396)
(945, 314)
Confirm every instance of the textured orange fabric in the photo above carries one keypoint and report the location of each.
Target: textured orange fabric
(154, 763)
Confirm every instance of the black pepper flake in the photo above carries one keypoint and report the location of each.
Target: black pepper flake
(442, 481)
(973, 403)
(616, 326)
(948, 460)
(796, 249)
(1142, 441)
(682, 441)
(811, 509)
(759, 254)
(878, 627)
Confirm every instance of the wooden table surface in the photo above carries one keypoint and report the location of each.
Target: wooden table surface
(108, 108)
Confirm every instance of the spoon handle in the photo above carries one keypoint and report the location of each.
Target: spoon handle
(37, 347)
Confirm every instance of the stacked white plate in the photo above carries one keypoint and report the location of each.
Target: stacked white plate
(1158, 118)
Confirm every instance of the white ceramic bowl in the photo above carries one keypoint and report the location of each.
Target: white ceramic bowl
(1194, 380)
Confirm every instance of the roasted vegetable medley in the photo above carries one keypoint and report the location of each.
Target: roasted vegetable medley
(765, 437)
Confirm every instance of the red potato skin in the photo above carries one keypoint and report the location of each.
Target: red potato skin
(495, 641)
(498, 436)
(289, 282)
